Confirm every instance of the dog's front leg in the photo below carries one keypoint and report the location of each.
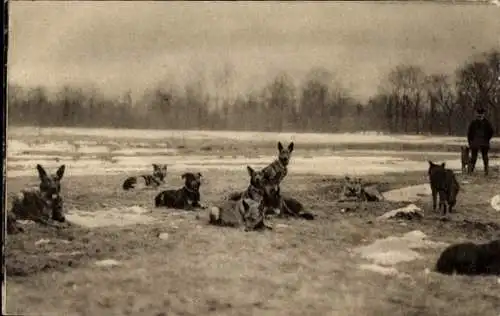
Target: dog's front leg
(434, 200)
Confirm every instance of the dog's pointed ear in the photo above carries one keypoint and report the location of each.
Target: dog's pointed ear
(250, 171)
(60, 172)
(165, 167)
(443, 164)
(199, 174)
(280, 146)
(184, 175)
(42, 174)
(155, 166)
(290, 147)
(245, 204)
(430, 163)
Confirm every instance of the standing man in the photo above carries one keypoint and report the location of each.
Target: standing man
(479, 135)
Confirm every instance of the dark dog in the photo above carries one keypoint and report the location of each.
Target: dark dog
(278, 169)
(185, 198)
(292, 207)
(465, 159)
(153, 180)
(444, 183)
(470, 259)
(38, 204)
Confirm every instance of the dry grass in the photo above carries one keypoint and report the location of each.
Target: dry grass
(304, 268)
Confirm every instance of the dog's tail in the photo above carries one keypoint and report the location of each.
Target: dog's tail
(214, 215)
(159, 199)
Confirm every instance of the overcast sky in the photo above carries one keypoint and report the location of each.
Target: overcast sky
(121, 45)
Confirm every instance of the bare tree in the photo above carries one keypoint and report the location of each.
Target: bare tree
(479, 85)
(406, 84)
(442, 98)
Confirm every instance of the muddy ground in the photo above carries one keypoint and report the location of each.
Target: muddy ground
(301, 267)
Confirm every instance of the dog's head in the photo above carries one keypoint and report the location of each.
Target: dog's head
(50, 185)
(160, 172)
(192, 181)
(269, 190)
(434, 166)
(284, 154)
(257, 178)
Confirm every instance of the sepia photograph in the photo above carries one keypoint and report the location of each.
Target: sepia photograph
(251, 158)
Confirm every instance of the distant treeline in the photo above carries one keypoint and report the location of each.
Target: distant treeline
(409, 101)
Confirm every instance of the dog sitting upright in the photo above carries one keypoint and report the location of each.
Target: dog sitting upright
(153, 180)
(185, 198)
(444, 183)
(278, 169)
(38, 204)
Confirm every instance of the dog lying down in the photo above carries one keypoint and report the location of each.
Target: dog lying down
(289, 207)
(471, 259)
(185, 198)
(244, 212)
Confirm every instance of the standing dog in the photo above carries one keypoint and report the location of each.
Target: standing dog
(185, 198)
(470, 259)
(465, 159)
(444, 183)
(153, 180)
(38, 204)
(250, 207)
(277, 170)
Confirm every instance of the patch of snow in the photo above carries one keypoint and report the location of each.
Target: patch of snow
(410, 209)
(42, 242)
(495, 203)
(281, 226)
(389, 271)
(135, 151)
(15, 146)
(53, 147)
(107, 263)
(408, 194)
(393, 250)
(92, 149)
(110, 217)
(163, 236)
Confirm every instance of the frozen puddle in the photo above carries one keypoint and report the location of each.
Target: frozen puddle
(495, 202)
(408, 194)
(122, 216)
(392, 250)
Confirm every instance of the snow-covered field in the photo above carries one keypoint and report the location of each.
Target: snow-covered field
(362, 137)
(111, 151)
